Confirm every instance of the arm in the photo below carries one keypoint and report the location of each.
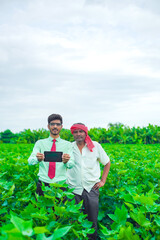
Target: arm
(68, 158)
(33, 159)
(105, 173)
(104, 176)
(104, 159)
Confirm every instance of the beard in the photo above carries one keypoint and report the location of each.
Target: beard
(54, 131)
(79, 139)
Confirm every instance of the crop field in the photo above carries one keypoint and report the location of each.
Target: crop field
(129, 205)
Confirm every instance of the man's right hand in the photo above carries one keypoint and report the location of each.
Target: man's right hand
(40, 157)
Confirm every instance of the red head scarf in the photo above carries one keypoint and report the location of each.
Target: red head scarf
(88, 140)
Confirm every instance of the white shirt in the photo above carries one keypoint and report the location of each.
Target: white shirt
(61, 168)
(86, 171)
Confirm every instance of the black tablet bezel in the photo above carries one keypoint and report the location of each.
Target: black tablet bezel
(50, 156)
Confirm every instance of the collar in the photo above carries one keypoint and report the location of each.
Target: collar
(51, 139)
(76, 146)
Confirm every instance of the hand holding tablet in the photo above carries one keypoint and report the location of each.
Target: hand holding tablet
(50, 156)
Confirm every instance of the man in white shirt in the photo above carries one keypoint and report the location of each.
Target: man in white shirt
(84, 177)
(51, 172)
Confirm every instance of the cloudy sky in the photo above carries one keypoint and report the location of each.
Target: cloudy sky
(92, 61)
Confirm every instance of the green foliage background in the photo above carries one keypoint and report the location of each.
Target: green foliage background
(24, 215)
(115, 133)
(129, 201)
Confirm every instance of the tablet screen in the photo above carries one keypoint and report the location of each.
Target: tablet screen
(50, 156)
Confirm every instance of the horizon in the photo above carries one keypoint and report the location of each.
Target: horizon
(124, 125)
(91, 61)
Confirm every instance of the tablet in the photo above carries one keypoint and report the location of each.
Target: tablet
(50, 156)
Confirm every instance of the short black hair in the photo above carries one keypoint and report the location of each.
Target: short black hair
(55, 117)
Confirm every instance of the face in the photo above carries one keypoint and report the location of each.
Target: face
(55, 127)
(79, 135)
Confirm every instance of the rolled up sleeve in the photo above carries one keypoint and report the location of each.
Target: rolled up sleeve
(103, 157)
(71, 161)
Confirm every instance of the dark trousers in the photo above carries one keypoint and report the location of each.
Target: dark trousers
(40, 192)
(39, 188)
(91, 206)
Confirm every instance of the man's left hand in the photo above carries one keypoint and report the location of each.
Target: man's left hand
(98, 185)
(65, 158)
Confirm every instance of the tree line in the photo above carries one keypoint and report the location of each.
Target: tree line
(115, 133)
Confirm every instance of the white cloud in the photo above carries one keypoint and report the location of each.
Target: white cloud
(92, 61)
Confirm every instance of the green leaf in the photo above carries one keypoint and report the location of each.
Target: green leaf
(89, 231)
(74, 208)
(9, 193)
(81, 218)
(38, 230)
(4, 210)
(120, 215)
(107, 232)
(140, 219)
(58, 233)
(29, 210)
(16, 236)
(128, 198)
(87, 224)
(69, 195)
(101, 215)
(153, 195)
(40, 216)
(152, 209)
(144, 199)
(42, 236)
(126, 233)
(58, 185)
(59, 210)
(130, 205)
(76, 233)
(25, 227)
(157, 220)
(10, 228)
